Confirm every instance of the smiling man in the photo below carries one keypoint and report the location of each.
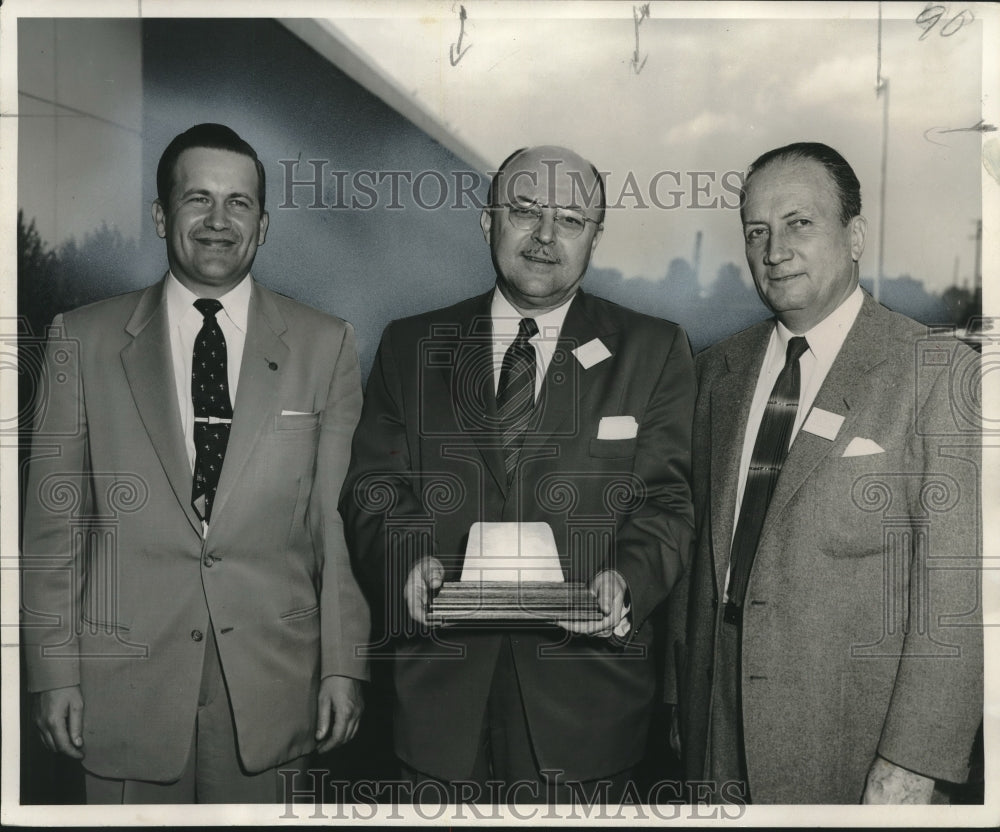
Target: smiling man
(535, 402)
(190, 614)
(833, 641)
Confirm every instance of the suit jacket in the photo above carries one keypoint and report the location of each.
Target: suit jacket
(427, 464)
(119, 587)
(862, 623)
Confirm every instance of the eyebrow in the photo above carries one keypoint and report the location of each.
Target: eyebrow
(207, 192)
(784, 216)
(530, 200)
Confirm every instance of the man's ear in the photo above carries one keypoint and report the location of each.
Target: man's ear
(858, 230)
(262, 232)
(159, 219)
(486, 222)
(596, 240)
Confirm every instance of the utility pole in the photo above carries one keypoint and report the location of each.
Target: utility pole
(881, 89)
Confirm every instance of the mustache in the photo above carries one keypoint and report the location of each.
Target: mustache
(540, 253)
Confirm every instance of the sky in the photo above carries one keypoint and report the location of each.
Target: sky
(711, 95)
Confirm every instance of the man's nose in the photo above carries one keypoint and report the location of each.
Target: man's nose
(217, 218)
(777, 249)
(545, 230)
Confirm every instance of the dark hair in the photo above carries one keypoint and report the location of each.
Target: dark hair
(213, 136)
(843, 176)
(495, 181)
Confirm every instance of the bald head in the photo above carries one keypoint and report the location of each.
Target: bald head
(561, 174)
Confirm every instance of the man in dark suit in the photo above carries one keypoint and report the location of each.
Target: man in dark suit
(190, 615)
(602, 458)
(834, 646)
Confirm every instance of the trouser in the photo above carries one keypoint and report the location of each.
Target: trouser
(506, 769)
(213, 772)
(726, 755)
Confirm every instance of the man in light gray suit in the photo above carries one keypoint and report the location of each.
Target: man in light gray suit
(832, 651)
(190, 618)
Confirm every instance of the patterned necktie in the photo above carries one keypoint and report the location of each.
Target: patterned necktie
(769, 452)
(213, 410)
(516, 392)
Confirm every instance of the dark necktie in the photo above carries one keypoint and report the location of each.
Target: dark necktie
(516, 392)
(769, 452)
(213, 410)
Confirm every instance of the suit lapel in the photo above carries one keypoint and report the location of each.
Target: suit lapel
(842, 393)
(470, 387)
(257, 388)
(567, 382)
(730, 408)
(149, 370)
(560, 397)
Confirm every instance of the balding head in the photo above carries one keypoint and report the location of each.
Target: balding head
(543, 222)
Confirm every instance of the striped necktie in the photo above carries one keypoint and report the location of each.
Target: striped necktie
(516, 392)
(769, 452)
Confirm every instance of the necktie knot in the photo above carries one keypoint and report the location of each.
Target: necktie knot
(527, 328)
(208, 307)
(796, 347)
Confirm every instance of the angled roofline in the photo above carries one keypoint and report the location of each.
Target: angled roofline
(331, 43)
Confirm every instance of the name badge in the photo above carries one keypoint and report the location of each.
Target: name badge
(591, 353)
(823, 423)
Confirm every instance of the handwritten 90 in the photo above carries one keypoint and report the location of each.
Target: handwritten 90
(931, 14)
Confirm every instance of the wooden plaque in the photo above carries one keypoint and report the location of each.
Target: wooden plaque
(495, 602)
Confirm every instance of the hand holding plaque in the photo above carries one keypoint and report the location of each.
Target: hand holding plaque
(511, 573)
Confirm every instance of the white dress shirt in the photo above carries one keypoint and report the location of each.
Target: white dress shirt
(506, 320)
(825, 340)
(185, 323)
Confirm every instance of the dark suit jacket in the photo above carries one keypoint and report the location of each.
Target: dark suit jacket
(427, 464)
(108, 502)
(862, 625)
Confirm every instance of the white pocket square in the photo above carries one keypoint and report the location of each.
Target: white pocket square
(617, 427)
(297, 413)
(859, 446)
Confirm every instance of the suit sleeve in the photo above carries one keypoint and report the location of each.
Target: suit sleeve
(58, 490)
(653, 546)
(379, 486)
(937, 698)
(344, 615)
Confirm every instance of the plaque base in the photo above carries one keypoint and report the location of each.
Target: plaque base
(495, 602)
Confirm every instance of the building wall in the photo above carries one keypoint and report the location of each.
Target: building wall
(368, 266)
(80, 126)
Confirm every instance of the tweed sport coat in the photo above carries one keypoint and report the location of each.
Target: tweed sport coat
(862, 623)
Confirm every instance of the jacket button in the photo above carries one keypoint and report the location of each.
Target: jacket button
(196, 635)
(209, 560)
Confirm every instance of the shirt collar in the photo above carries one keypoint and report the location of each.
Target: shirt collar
(235, 303)
(506, 318)
(827, 337)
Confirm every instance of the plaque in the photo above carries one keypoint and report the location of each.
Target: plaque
(480, 602)
(511, 573)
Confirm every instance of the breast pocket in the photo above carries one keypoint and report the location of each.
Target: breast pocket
(613, 448)
(853, 498)
(297, 421)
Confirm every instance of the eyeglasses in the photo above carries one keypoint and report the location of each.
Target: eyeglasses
(568, 222)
